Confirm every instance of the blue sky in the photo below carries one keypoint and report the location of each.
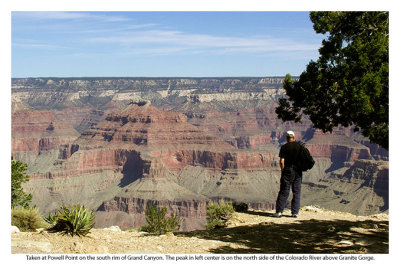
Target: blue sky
(158, 44)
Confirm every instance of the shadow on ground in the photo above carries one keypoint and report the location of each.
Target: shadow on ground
(301, 236)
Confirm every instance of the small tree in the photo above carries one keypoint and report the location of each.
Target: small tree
(18, 176)
(218, 214)
(349, 84)
(158, 223)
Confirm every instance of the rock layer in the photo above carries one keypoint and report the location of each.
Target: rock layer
(359, 187)
(208, 138)
(37, 132)
(133, 158)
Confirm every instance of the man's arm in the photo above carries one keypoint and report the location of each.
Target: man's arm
(282, 163)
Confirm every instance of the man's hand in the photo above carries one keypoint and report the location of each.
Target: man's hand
(282, 163)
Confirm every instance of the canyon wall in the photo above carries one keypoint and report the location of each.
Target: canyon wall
(118, 144)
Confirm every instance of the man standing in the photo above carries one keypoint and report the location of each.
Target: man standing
(291, 177)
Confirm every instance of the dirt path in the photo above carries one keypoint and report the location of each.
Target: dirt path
(314, 231)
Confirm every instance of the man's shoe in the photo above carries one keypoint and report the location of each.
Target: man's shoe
(278, 215)
(294, 215)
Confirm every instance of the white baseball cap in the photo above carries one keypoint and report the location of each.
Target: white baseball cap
(290, 133)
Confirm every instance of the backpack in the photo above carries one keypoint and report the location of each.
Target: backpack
(304, 159)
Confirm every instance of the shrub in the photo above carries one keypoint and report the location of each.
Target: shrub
(51, 219)
(158, 223)
(218, 214)
(240, 207)
(27, 219)
(75, 221)
(18, 176)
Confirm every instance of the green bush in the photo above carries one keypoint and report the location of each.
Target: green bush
(75, 221)
(27, 219)
(157, 222)
(19, 176)
(51, 219)
(218, 214)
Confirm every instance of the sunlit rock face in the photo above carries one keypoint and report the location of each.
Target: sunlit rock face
(116, 145)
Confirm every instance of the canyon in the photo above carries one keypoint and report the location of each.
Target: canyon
(118, 144)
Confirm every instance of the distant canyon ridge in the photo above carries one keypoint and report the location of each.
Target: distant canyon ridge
(118, 144)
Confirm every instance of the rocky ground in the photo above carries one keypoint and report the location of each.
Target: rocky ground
(314, 231)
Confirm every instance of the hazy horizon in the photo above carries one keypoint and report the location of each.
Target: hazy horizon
(143, 77)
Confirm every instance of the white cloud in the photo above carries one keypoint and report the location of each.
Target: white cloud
(117, 29)
(68, 16)
(177, 40)
(39, 46)
(146, 38)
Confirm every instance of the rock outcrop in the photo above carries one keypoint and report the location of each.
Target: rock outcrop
(200, 139)
(136, 156)
(360, 187)
(38, 132)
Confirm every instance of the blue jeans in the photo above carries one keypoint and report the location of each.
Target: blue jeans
(290, 178)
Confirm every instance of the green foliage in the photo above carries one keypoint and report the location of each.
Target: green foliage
(75, 221)
(240, 207)
(349, 84)
(157, 222)
(27, 219)
(51, 218)
(218, 214)
(18, 176)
